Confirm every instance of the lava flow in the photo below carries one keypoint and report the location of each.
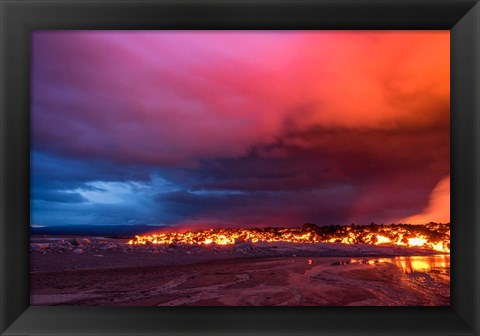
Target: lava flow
(431, 236)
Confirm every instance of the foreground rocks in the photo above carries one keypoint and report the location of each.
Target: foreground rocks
(60, 254)
(106, 246)
(109, 272)
(76, 245)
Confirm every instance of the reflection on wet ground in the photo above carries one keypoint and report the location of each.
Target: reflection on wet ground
(439, 264)
(291, 281)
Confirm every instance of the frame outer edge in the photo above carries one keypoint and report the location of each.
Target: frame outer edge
(476, 313)
(14, 134)
(2, 171)
(476, 321)
(465, 165)
(5, 319)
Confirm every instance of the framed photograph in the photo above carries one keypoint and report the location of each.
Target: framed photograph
(240, 167)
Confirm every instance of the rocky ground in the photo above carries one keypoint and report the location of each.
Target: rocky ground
(58, 254)
(102, 271)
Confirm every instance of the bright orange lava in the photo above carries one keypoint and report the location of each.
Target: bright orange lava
(431, 236)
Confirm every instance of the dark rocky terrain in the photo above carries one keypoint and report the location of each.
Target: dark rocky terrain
(109, 272)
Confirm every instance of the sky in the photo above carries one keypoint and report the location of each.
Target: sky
(239, 128)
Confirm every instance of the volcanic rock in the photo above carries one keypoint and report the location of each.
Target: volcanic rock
(77, 242)
(310, 227)
(243, 246)
(108, 247)
(40, 247)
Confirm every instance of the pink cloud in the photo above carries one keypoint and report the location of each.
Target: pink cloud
(256, 111)
(173, 97)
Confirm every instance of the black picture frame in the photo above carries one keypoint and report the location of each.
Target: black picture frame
(19, 17)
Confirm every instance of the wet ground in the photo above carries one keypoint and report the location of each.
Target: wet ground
(290, 275)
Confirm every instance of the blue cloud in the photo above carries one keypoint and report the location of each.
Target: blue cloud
(66, 192)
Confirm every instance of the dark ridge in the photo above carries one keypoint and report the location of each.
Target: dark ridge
(112, 231)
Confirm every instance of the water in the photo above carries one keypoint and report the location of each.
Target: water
(439, 264)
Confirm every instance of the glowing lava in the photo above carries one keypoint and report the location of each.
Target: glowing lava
(431, 236)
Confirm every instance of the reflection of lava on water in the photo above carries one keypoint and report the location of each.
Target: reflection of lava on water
(431, 236)
(413, 264)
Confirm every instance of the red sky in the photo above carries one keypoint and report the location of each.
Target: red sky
(245, 127)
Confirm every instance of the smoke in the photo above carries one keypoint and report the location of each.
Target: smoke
(438, 208)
